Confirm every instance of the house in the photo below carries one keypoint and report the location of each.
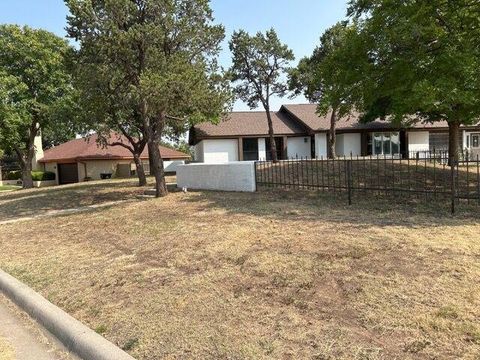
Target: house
(84, 159)
(300, 132)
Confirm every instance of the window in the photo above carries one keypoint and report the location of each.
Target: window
(279, 143)
(250, 149)
(384, 143)
(475, 140)
(438, 141)
(395, 142)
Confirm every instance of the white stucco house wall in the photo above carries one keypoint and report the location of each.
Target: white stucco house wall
(301, 132)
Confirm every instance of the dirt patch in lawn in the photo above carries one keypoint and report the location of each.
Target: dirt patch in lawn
(276, 275)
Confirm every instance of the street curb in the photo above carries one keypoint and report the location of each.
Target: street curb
(75, 336)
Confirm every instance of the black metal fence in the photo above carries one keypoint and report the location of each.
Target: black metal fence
(428, 176)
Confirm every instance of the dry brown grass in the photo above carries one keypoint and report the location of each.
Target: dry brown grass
(6, 351)
(402, 176)
(273, 275)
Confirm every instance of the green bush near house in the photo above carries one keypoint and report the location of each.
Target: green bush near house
(36, 175)
(13, 175)
(43, 175)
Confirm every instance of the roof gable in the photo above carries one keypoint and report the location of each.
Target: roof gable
(250, 123)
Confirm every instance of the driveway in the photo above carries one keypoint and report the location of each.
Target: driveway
(22, 339)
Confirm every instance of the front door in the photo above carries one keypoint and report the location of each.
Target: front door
(67, 173)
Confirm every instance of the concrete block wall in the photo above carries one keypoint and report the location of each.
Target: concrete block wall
(234, 176)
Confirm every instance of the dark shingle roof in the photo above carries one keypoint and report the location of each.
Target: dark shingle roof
(88, 149)
(250, 123)
(307, 113)
(298, 120)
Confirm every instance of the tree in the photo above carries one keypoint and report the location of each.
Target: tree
(66, 121)
(328, 77)
(425, 59)
(180, 145)
(156, 62)
(260, 64)
(34, 83)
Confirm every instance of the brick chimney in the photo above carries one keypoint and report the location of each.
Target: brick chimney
(38, 152)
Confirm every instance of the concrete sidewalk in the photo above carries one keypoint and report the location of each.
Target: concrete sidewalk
(23, 339)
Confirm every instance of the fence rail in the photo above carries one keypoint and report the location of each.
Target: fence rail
(432, 176)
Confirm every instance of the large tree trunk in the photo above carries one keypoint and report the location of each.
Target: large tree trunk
(151, 163)
(453, 142)
(25, 159)
(157, 169)
(26, 167)
(142, 179)
(273, 144)
(332, 135)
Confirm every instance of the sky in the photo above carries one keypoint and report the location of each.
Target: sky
(299, 23)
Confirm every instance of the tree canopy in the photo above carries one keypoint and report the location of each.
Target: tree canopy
(330, 76)
(259, 68)
(148, 68)
(35, 86)
(424, 60)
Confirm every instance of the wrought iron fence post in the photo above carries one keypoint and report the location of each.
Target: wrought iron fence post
(349, 180)
(453, 187)
(478, 180)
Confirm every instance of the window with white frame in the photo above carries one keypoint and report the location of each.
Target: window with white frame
(384, 143)
(475, 140)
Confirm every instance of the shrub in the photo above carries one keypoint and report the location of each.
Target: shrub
(43, 175)
(13, 175)
(36, 175)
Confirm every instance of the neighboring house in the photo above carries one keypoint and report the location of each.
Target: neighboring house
(300, 132)
(83, 159)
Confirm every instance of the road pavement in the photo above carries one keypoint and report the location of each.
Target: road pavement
(23, 339)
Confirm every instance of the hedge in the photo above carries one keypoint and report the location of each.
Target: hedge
(13, 175)
(43, 175)
(36, 175)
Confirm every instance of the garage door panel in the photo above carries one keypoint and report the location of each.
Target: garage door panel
(68, 173)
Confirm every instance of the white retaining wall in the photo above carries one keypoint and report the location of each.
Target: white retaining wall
(171, 166)
(234, 176)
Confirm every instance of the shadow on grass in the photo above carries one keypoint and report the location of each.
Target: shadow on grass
(38, 201)
(366, 209)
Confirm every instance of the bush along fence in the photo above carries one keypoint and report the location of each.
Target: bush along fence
(430, 175)
(8, 164)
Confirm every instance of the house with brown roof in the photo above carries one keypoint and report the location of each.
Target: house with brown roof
(85, 159)
(301, 132)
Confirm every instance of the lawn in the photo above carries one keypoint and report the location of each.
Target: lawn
(9, 187)
(272, 275)
(409, 177)
(6, 351)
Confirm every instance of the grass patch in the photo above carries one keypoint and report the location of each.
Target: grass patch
(101, 329)
(9, 188)
(246, 276)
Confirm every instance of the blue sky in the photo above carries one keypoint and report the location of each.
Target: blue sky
(299, 23)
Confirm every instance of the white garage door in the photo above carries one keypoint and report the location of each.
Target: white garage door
(220, 151)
